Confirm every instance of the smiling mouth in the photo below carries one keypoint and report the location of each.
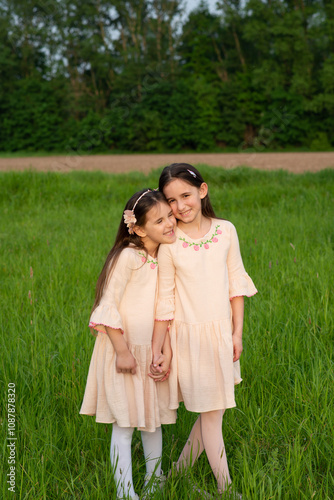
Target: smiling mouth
(187, 212)
(170, 233)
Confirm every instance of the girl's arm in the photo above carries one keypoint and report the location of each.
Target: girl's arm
(240, 285)
(125, 362)
(165, 303)
(237, 305)
(161, 361)
(167, 347)
(106, 317)
(158, 339)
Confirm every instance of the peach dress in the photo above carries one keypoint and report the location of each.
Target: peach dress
(197, 279)
(128, 304)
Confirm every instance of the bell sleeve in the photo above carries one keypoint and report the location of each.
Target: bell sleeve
(240, 284)
(106, 314)
(166, 285)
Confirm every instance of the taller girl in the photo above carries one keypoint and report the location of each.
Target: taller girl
(202, 282)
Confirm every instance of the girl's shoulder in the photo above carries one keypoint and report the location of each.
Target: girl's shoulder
(130, 251)
(223, 224)
(128, 257)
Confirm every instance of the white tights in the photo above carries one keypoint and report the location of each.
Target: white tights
(120, 455)
(207, 435)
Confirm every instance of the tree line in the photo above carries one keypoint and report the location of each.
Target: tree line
(140, 75)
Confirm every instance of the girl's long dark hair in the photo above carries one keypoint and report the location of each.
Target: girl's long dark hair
(124, 239)
(183, 171)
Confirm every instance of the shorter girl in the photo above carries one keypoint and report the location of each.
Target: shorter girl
(118, 389)
(202, 282)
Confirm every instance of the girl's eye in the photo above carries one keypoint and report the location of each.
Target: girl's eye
(171, 201)
(159, 221)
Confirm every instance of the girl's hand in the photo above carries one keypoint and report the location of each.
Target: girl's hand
(155, 367)
(125, 362)
(237, 305)
(161, 378)
(237, 347)
(159, 370)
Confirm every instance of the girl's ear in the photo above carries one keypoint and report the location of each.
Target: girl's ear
(203, 190)
(139, 231)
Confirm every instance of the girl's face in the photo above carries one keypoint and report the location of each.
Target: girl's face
(159, 226)
(185, 199)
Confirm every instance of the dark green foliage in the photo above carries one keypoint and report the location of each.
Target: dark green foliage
(82, 76)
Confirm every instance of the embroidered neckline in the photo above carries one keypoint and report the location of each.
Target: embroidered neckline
(153, 263)
(204, 243)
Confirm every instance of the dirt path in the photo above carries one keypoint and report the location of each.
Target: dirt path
(294, 162)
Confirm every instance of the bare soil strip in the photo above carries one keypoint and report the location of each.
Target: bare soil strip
(293, 162)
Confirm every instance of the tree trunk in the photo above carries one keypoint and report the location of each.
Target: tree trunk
(237, 44)
(221, 71)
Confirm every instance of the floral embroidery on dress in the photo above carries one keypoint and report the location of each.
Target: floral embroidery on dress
(153, 263)
(204, 243)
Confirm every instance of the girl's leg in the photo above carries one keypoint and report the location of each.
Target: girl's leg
(193, 447)
(120, 455)
(212, 435)
(152, 444)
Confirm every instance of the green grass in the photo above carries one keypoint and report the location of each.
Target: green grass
(55, 231)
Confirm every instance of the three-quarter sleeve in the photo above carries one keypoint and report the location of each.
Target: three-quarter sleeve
(166, 285)
(107, 312)
(240, 283)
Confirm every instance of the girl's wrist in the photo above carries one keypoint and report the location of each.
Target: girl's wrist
(166, 350)
(237, 333)
(156, 355)
(120, 351)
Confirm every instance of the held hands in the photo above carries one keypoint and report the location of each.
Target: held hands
(160, 368)
(125, 362)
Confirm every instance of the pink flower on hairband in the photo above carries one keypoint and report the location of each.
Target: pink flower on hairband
(130, 220)
(129, 215)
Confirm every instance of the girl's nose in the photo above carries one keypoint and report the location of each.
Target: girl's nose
(180, 205)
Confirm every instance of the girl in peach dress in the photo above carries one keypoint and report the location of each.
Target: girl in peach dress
(202, 284)
(119, 389)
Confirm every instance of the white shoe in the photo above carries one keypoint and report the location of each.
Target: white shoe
(202, 493)
(136, 497)
(152, 484)
(230, 494)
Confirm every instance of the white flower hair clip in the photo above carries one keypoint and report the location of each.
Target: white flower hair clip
(129, 215)
(192, 173)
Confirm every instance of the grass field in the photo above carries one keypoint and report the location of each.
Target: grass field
(55, 231)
